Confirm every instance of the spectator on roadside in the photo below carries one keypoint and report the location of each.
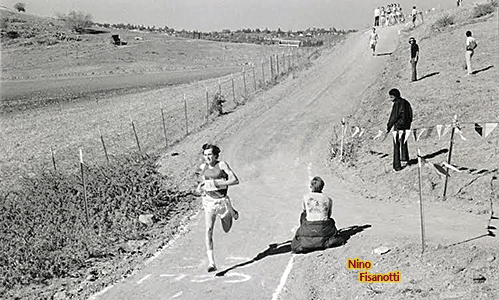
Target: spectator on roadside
(400, 120)
(376, 16)
(317, 229)
(373, 40)
(414, 14)
(471, 45)
(414, 58)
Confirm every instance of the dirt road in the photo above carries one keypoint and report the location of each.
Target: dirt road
(275, 150)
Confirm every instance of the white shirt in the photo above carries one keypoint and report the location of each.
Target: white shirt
(470, 43)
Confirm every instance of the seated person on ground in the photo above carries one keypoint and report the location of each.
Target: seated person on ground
(317, 229)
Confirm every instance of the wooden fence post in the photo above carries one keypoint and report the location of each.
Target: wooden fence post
(103, 146)
(84, 188)
(254, 76)
(207, 105)
(271, 70)
(233, 90)
(454, 124)
(277, 64)
(53, 158)
(135, 133)
(186, 119)
(244, 82)
(263, 73)
(421, 200)
(164, 126)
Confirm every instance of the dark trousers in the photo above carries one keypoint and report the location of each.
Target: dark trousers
(376, 21)
(414, 72)
(400, 152)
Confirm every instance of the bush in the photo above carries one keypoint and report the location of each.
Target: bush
(20, 7)
(494, 3)
(43, 228)
(217, 104)
(77, 21)
(483, 9)
(444, 21)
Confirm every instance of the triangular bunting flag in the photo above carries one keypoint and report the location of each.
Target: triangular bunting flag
(429, 131)
(439, 130)
(407, 134)
(458, 131)
(446, 129)
(356, 130)
(378, 135)
(479, 129)
(418, 137)
(488, 128)
(451, 167)
(441, 169)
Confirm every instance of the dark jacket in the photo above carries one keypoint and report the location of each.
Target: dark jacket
(401, 115)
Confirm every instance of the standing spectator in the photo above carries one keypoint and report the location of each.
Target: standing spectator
(414, 14)
(400, 120)
(376, 16)
(414, 58)
(470, 49)
(373, 40)
(459, 2)
(382, 17)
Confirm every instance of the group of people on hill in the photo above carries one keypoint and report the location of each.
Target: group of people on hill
(317, 227)
(388, 16)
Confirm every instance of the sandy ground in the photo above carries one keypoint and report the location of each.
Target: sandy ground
(275, 144)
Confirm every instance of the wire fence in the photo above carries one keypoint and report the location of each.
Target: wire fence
(150, 121)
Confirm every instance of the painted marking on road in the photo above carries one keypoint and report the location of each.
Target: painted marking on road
(179, 277)
(243, 279)
(203, 278)
(176, 295)
(237, 258)
(144, 279)
(284, 277)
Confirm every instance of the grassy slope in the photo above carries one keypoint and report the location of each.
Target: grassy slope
(37, 53)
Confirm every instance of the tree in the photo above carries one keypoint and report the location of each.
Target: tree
(19, 6)
(77, 21)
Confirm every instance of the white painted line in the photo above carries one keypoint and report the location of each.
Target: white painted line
(284, 277)
(243, 279)
(143, 279)
(176, 295)
(179, 277)
(237, 258)
(167, 275)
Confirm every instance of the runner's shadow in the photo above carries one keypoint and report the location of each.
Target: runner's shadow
(383, 54)
(414, 161)
(273, 249)
(489, 233)
(428, 75)
(481, 70)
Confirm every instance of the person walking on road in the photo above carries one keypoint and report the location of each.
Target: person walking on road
(470, 50)
(216, 177)
(414, 58)
(317, 229)
(414, 15)
(400, 120)
(373, 40)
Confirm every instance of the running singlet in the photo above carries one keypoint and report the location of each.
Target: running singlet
(317, 206)
(210, 174)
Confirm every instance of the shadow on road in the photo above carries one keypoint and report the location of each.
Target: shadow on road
(481, 70)
(273, 249)
(344, 235)
(428, 75)
(427, 156)
(383, 54)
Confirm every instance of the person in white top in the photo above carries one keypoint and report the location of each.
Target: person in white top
(373, 40)
(414, 15)
(470, 50)
(376, 16)
(317, 229)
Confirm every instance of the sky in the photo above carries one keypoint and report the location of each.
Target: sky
(215, 15)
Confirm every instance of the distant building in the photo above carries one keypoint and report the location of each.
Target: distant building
(290, 43)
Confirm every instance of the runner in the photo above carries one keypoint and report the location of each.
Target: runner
(216, 177)
(373, 40)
